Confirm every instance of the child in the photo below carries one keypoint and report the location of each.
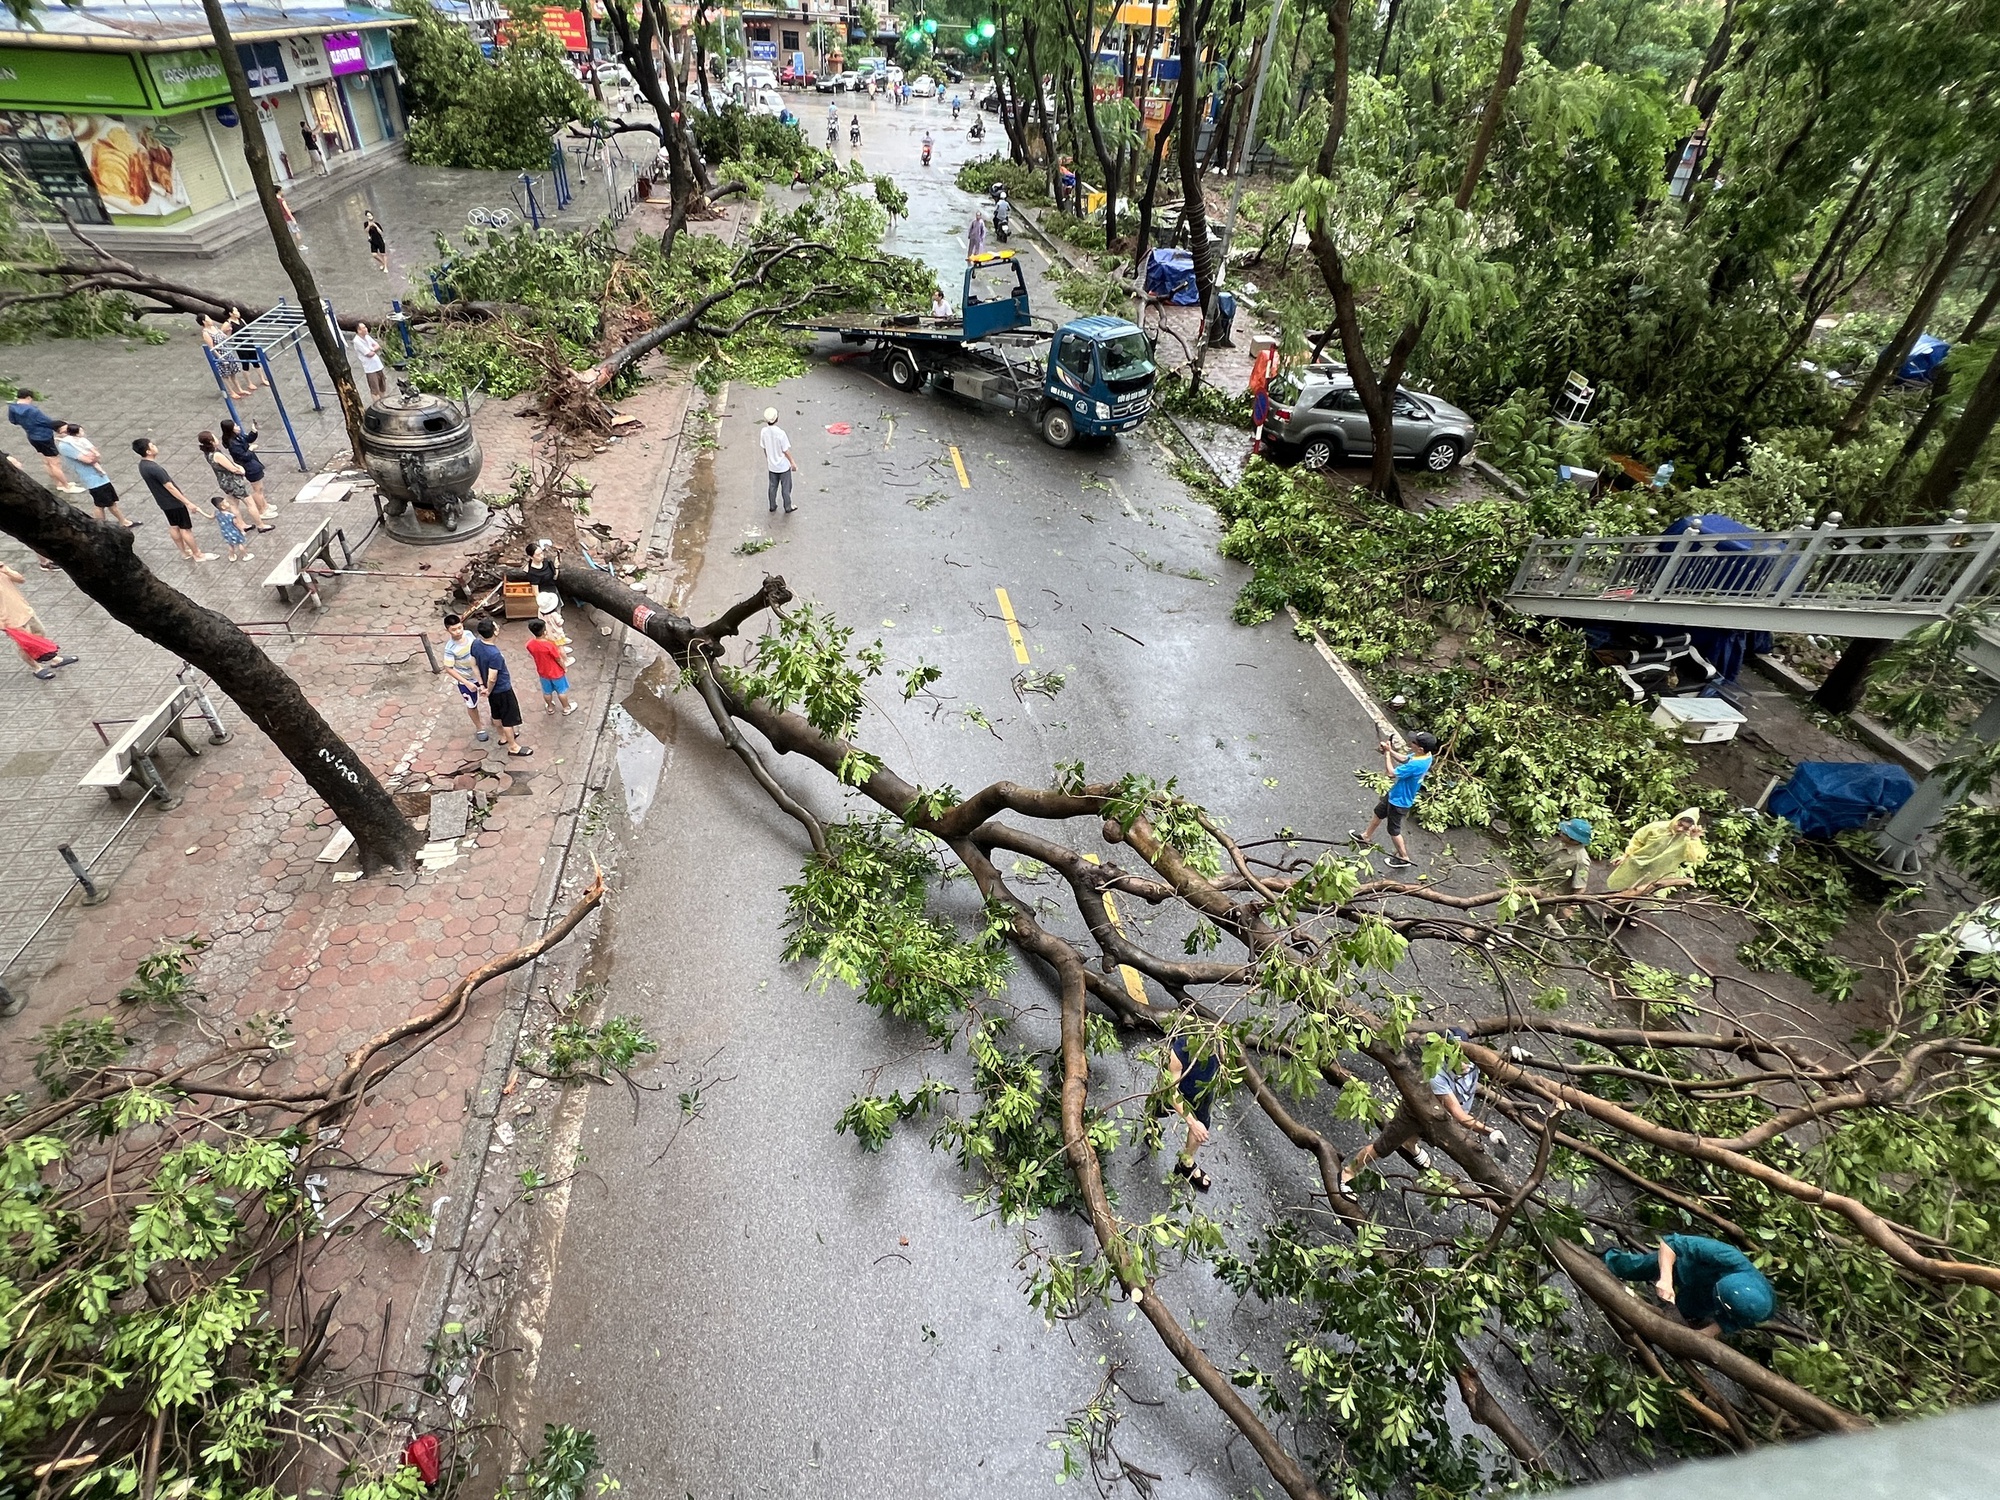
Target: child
(232, 533)
(550, 667)
(1409, 772)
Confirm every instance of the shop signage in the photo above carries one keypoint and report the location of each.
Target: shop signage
(70, 80)
(764, 51)
(263, 65)
(344, 54)
(305, 59)
(188, 77)
(566, 26)
(225, 116)
(380, 53)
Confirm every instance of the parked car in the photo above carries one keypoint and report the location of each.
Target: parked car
(1317, 419)
(924, 88)
(788, 75)
(847, 82)
(827, 83)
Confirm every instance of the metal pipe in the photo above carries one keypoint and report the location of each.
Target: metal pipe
(90, 864)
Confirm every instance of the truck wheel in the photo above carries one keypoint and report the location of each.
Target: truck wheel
(1059, 427)
(903, 373)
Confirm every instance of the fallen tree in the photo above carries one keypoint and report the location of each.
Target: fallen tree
(1490, 1290)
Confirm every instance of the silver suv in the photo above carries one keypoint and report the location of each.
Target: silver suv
(1317, 419)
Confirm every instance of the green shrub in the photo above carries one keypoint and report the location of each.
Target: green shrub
(1024, 184)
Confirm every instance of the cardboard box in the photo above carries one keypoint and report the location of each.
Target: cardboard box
(1699, 721)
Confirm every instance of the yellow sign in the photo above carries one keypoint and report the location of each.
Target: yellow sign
(1147, 13)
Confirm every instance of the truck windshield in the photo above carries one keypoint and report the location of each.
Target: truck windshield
(1127, 357)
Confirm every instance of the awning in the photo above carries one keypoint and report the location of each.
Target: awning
(104, 25)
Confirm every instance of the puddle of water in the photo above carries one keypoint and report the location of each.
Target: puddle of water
(689, 544)
(644, 727)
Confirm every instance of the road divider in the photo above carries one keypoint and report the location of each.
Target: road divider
(1013, 625)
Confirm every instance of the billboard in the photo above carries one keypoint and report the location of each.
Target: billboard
(566, 26)
(344, 54)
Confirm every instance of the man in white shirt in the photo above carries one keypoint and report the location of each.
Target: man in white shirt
(778, 460)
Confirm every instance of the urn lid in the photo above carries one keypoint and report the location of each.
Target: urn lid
(419, 415)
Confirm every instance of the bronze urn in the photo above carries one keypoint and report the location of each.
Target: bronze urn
(422, 454)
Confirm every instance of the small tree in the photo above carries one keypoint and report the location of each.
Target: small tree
(466, 112)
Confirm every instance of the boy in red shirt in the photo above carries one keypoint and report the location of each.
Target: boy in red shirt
(550, 667)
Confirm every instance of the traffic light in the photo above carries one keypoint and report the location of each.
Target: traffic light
(986, 30)
(971, 40)
(930, 26)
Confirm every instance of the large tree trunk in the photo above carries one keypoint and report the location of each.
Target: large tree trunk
(1085, 46)
(1961, 445)
(1847, 683)
(1194, 207)
(332, 353)
(1965, 228)
(99, 559)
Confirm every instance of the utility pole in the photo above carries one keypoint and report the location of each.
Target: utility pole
(1242, 166)
(326, 338)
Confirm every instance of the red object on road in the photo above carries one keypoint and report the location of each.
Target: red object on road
(839, 429)
(422, 1455)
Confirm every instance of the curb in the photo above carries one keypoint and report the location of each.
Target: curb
(1873, 733)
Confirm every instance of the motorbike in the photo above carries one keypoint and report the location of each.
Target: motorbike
(832, 136)
(977, 132)
(954, 110)
(927, 153)
(854, 134)
(1000, 222)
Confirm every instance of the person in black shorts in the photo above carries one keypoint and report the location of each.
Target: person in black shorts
(1194, 1080)
(498, 685)
(378, 244)
(25, 412)
(81, 455)
(173, 504)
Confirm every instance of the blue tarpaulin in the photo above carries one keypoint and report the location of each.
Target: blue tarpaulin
(1925, 356)
(1170, 273)
(1825, 797)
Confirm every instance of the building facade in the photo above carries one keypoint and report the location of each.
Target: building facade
(121, 115)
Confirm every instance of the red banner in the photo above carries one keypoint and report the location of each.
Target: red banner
(566, 26)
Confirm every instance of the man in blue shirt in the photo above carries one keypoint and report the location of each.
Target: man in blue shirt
(1408, 772)
(40, 428)
(1456, 1091)
(1713, 1285)
(498, 686)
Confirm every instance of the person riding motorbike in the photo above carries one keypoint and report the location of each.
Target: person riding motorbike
(954, 106)
(1003, 212)
(978, 130)
(927, 148)
(854, 131)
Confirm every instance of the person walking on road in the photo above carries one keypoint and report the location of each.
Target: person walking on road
(17, 618)
(82, 456)
(369, 350)
(1408, 772)
(497, 683)
(173, 504)
(1194, 1080)
(1456, 1091)
(26, 413)
(1660, 851)
(975, 237)
(458, 667)
(378, 243)
(1713, 1286)
(779, 464)
(550, 667)
(242, 446)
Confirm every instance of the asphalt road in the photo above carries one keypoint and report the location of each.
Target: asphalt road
(745, 1303)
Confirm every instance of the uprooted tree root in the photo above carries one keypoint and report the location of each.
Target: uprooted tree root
(1301, 1000)
(159, 1332)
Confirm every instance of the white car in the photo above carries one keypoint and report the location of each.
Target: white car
(894, 74)
(924, 88)
(766, 102)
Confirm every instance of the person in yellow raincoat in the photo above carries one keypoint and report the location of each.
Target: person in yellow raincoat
(1660, 851)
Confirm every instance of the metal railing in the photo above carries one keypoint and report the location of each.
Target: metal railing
(1907, 575)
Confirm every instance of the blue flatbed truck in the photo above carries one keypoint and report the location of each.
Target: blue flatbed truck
(1092, 377)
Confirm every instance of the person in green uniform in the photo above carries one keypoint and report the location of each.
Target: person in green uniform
(1660, 851)
(1713, 1285)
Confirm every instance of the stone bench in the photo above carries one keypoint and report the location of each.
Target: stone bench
(130, 757)
(294, 568)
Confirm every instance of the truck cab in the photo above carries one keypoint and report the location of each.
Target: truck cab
(1098, 376)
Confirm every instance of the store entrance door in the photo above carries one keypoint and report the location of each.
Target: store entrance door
(274, 143)
(329, 120)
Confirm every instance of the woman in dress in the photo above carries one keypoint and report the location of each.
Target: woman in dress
(378, 244)
(215, 338)
(370, 351)
(242, 447)
(229, 476)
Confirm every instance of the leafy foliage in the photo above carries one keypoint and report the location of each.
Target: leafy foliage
(468, 112)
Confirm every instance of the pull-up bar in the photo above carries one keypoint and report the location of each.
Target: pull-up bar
(283, 327)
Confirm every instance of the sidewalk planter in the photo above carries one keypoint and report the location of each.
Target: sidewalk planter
(122, 115)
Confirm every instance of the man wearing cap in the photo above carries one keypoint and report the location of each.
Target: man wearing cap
(1456, 1091)
(778, 460)
(1565, 861)
(1713, 1285)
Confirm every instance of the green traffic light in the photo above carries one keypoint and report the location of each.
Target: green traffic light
(986, 29)
(972, 39)
(930, 26)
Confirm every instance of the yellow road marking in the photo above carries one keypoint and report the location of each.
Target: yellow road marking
(1013, 625)
(958, 463)
(891, 438)
(1134, 985)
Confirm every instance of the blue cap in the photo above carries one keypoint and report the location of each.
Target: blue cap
(1747, 1297)
(1577, 829)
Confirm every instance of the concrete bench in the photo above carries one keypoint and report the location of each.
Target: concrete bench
(294, 568)
(130, 758)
